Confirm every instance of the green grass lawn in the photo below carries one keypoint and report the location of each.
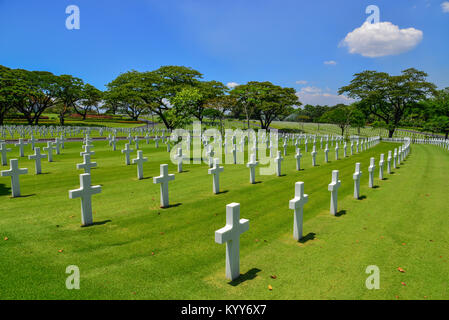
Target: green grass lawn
(138, 251)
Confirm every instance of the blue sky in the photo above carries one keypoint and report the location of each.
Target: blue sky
(299, 44)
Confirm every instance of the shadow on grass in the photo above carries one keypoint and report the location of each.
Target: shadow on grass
(224, 191)
(375, 187)
(362, 197)
(98, 223)
(340, 213)
(26, 195)
(172, 206)
(250, 275)
(308, 237)
(4, 190)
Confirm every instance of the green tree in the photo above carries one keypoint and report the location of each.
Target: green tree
(436, 110)
(90, 98)
(339, 115)
(67, 92)
(13, 92)
(125, 92)
(389, 97)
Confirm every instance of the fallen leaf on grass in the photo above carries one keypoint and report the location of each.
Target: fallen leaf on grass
(401, 270)
(6, 238)
(273, 276)
(61, 250)
(270, 287)
(403, 283)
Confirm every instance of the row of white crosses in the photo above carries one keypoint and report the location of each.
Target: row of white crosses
(230, 234)
(14, 172)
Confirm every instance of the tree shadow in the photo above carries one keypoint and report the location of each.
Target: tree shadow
(98, 223)
(340, 213)
(4, 190)
(308, 237)
(250, 275)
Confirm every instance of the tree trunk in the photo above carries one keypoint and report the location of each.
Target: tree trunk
(390, 133)
(445, 137)
(61, 119)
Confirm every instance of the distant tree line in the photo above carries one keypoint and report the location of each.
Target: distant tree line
(178, 94)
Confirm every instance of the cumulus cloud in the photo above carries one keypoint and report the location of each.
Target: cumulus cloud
(232, 84)
(314, 96)
(445, 6)
(330, 63)
(381, 39)
(301, 82)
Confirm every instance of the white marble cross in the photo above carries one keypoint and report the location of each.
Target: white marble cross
(298, 157)
(87, 150)
(234, 153)
(252, 164)
(127, 151)
(336, 151)
(136, 140)
(333, 188)
(356, 176)
(381, 167)
(344, 150)
(140, 160)
(14, 172)
(210, 156)
(86, 165)
(21, 144)
(163, 179)
(278, 161)
(179, 157)
(85, 192)
(371, 169)
(215, 171)
(32, 141)
(62, 139)
(230, 234)
(114, 143)
(314, 156)
(49, 148)
(389, 162)
(37, 156)
(395, 155)
(297, 204)
(3, 151)
(285, 147)
(326, 154)
(57, 144)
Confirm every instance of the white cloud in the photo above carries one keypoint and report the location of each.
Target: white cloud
(314, 96)
(330, 63)
(445, 6)
(301, 82)
(232, 84)
(381, 39)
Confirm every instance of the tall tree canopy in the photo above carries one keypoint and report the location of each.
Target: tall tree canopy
(389, 97)
(265, 101)
(436, 112)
